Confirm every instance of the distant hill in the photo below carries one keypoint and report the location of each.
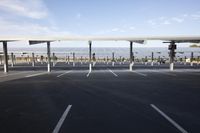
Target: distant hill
(195, 46)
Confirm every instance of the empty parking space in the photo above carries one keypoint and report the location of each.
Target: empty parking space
(102, 102)
(14, 75)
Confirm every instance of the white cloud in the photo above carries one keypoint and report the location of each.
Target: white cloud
(166, 22)
(152, 22)
(78, 16)
(185, 15)
(35, 9)
(157, 22)
(13, 28)
(195, 16)
(162, 18)
(122, 31)
(179, 20)
(132, 28)
(115, 29)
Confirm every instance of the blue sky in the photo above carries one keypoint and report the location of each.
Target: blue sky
(102, 17)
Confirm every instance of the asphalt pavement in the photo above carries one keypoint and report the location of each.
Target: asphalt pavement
(108, 100)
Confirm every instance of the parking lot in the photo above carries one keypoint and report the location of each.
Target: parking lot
(105, 100)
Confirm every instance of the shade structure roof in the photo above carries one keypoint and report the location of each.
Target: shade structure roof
(136, 39)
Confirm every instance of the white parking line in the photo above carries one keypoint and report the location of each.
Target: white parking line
(88, 74)
(37, 74)
(169, 119)
(62, 119)
(63, 74)
(164, 72)
(167, 73)
(113, 73)
(142, 74)
(12, 74)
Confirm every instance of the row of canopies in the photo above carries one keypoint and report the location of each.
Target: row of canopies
(172, 40)
(140, 39)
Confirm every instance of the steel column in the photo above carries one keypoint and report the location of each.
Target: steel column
(191, 59)
(172, 53)
(152, 59)
(12, 60)
(33, 60)
(113, 59)
(48, 57)
(90, 56)
(5, 52)
(131, 56)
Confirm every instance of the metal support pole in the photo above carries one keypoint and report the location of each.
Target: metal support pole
(90, 56)
(93, 59)
(28, 59)
(73, 59)
(131, 56)
(159, 61)
(120, 59)
(54, 60)
(107, 59)
(104, 60)
(12, 60)
(41, 59)
(81, 60)
(152, 58)
(146, 60)
(191, 59)
(185, 60)
(0, 59)
(172, 53)
(48, 57)
(33, 60)
(5, 51)
(68, 59)
(113, 59)
(15, 60)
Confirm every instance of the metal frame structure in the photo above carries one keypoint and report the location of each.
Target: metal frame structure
(141, 40)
